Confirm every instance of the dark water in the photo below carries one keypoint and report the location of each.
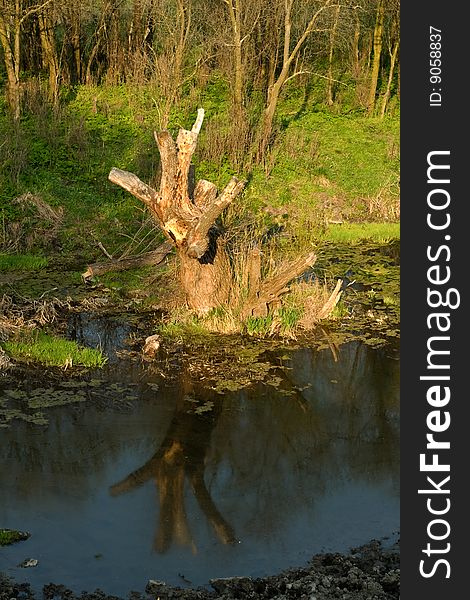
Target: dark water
(170, 481)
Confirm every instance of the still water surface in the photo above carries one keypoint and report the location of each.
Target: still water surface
(173, 482)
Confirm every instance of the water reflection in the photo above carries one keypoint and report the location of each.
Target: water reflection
(181, 457)
(305, 465)
(96, 331)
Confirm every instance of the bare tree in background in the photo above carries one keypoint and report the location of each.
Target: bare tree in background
(290, 49)
(13, 14)
(377, 53)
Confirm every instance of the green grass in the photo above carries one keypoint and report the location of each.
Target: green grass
(259, 326)
(355, 232)
(22, 262)
(182, 324)
(289, 317)
(321, 157)
(325, 158)
(54, 351)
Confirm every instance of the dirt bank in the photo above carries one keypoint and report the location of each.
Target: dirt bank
(368, 573)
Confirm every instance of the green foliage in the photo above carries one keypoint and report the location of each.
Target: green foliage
(289, 317)
(22, 262)
(182, 325)
(259, 326)
(53, 351)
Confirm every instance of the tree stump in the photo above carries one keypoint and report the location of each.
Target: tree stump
(187, 213)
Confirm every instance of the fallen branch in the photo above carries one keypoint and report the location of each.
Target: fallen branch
(154, 257)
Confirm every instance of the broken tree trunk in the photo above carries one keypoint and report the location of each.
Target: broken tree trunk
(187, 213)
(154, 257)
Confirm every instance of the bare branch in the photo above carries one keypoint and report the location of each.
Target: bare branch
(33, 10)
(136, 187)
(197, 239)
(198, 123)
(308, 30)
(316, 75)
(153, 257)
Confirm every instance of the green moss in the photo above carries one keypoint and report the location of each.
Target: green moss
(10, 536)
(54, 351)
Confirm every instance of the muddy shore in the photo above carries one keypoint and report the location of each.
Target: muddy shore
(369, 572)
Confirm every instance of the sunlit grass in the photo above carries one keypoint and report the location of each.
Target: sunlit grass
(53, 351)
(24, 262)
(355, 232)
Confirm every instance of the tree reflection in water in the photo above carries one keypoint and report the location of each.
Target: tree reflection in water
(180, 457)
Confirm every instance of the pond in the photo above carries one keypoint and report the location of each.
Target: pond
(123, 476)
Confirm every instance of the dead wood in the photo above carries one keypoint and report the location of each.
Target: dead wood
(187, 213)
(332, 301)
(270, 290)
(154, 257)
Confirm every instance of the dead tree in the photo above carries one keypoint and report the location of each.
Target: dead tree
(187, 213)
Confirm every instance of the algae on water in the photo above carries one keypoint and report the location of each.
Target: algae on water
(11, 536)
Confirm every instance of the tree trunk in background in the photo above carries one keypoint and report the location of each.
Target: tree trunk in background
(329, 86)
(356, 64)
(288, 57)
(393, 60)
(234, 12)
(10, 29)
(99, 42)
(72, 17)
(377, 49)
(266, 129)
(114, 52)
(49, 50)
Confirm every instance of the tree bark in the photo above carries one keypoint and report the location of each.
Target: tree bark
(10, 30)
(378, 33)
(329, 86)
(51, 59)
(393, 60)
(234, 12)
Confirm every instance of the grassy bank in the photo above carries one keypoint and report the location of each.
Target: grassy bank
(324, 166)
(53, 351)
(330, 177)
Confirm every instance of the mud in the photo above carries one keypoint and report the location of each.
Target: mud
(370, 572)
